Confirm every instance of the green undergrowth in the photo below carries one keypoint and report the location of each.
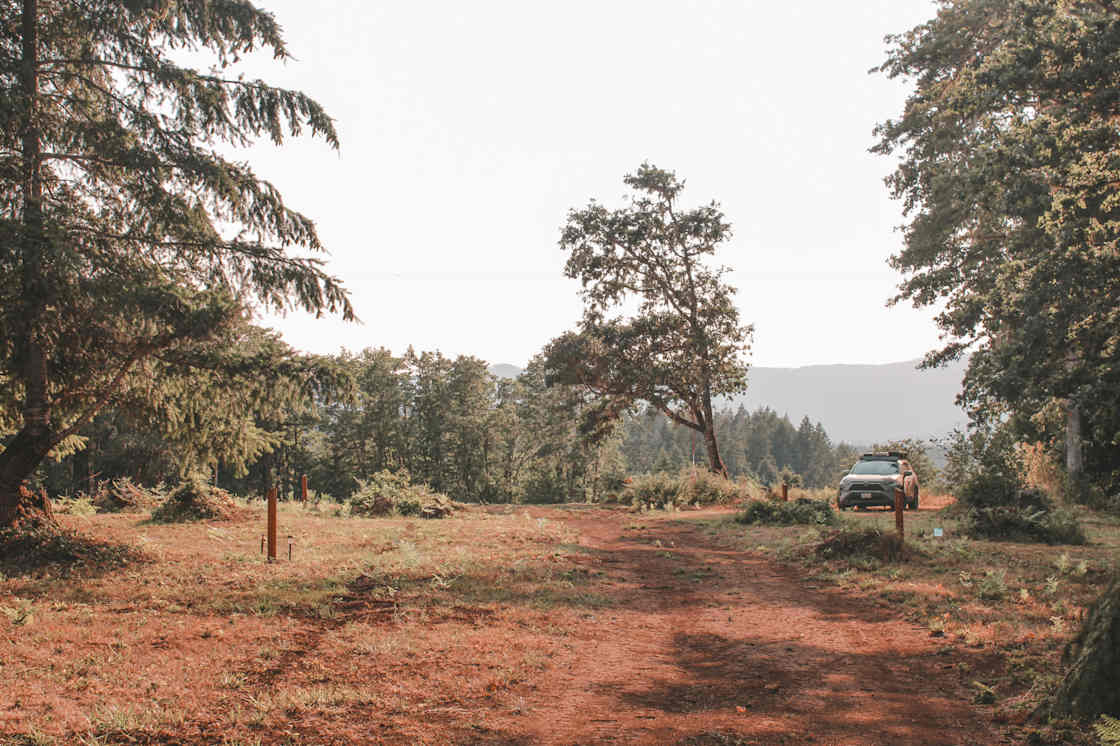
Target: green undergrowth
(195, 500)
(689, 487)
(854, 542)
(999, 507)
(803, 511)
(393, 493)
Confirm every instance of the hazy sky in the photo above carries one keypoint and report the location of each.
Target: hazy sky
(469, 129)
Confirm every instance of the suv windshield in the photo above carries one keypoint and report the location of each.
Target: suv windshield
(882, 468)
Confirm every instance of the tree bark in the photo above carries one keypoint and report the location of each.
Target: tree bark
(1074, 459)
(19, 507)
(715, 462)
(34, 441)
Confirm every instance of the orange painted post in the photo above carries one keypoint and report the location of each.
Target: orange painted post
(303, 488)
(272, 524)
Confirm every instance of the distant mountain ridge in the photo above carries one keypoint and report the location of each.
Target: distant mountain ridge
(859, 404)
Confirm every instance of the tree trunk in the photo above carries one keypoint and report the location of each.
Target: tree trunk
(1091, 685)
(18, 507)
(1074, 460)
(715, 462)
(81, 479)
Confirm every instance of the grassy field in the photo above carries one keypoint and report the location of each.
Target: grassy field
(1017, 604)
(192, 635)
(392, 630)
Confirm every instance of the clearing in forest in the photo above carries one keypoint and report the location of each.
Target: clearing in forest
(503, 625)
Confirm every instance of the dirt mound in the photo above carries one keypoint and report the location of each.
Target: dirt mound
(26, 550)
(195, 500)
(122, 495)
(864, 542)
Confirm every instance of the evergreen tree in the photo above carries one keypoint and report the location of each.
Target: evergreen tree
(126, 234)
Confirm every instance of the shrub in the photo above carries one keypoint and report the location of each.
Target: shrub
(653, 490)
(799, 511)
(861, 542)
(387, 493)
(688, 487)
(122, 495)
(26, 551)
(1108, 730)
(998, 507)
(80, 504)
(195, 499)
(702, 487)
(1024, 523)
(992, 489)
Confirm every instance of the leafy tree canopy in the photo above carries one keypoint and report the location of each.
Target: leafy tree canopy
(684, 343)
(1010, 178)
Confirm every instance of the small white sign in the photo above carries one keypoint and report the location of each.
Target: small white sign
(938, 532)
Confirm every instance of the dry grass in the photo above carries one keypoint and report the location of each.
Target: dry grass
(371, 616)
(1019, 602)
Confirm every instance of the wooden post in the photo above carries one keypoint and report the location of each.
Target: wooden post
(303, 488)
(899, 509)
(785, 492)
(272, 524)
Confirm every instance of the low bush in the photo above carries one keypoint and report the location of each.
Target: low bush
(195, 499)
(79, 504)
(47, 547)
(997, 506)
(122, 495)
(689, 487)
(866, 543)
(702, 487)
(1024, 523)
(799, 511)
(393, 493)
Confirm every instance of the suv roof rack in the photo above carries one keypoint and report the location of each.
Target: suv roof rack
(882, 456)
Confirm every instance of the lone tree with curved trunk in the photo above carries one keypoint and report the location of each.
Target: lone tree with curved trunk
(125, 235)
(685, 343)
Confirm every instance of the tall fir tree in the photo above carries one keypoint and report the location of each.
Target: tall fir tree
(125, 233)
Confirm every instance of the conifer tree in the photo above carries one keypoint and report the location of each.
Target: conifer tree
(126, 234)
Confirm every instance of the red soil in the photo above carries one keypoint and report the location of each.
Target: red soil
(678, 640)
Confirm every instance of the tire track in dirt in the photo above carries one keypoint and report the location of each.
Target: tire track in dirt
(702, 645)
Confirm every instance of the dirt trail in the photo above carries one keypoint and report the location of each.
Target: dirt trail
(701, 645)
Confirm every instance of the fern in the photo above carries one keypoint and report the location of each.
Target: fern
(1108, 730)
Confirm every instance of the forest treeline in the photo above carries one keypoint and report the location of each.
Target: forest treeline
(447, 422)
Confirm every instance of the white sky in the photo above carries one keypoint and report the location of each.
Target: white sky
(470, 129)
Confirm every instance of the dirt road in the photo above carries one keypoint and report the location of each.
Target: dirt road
(703, 645)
